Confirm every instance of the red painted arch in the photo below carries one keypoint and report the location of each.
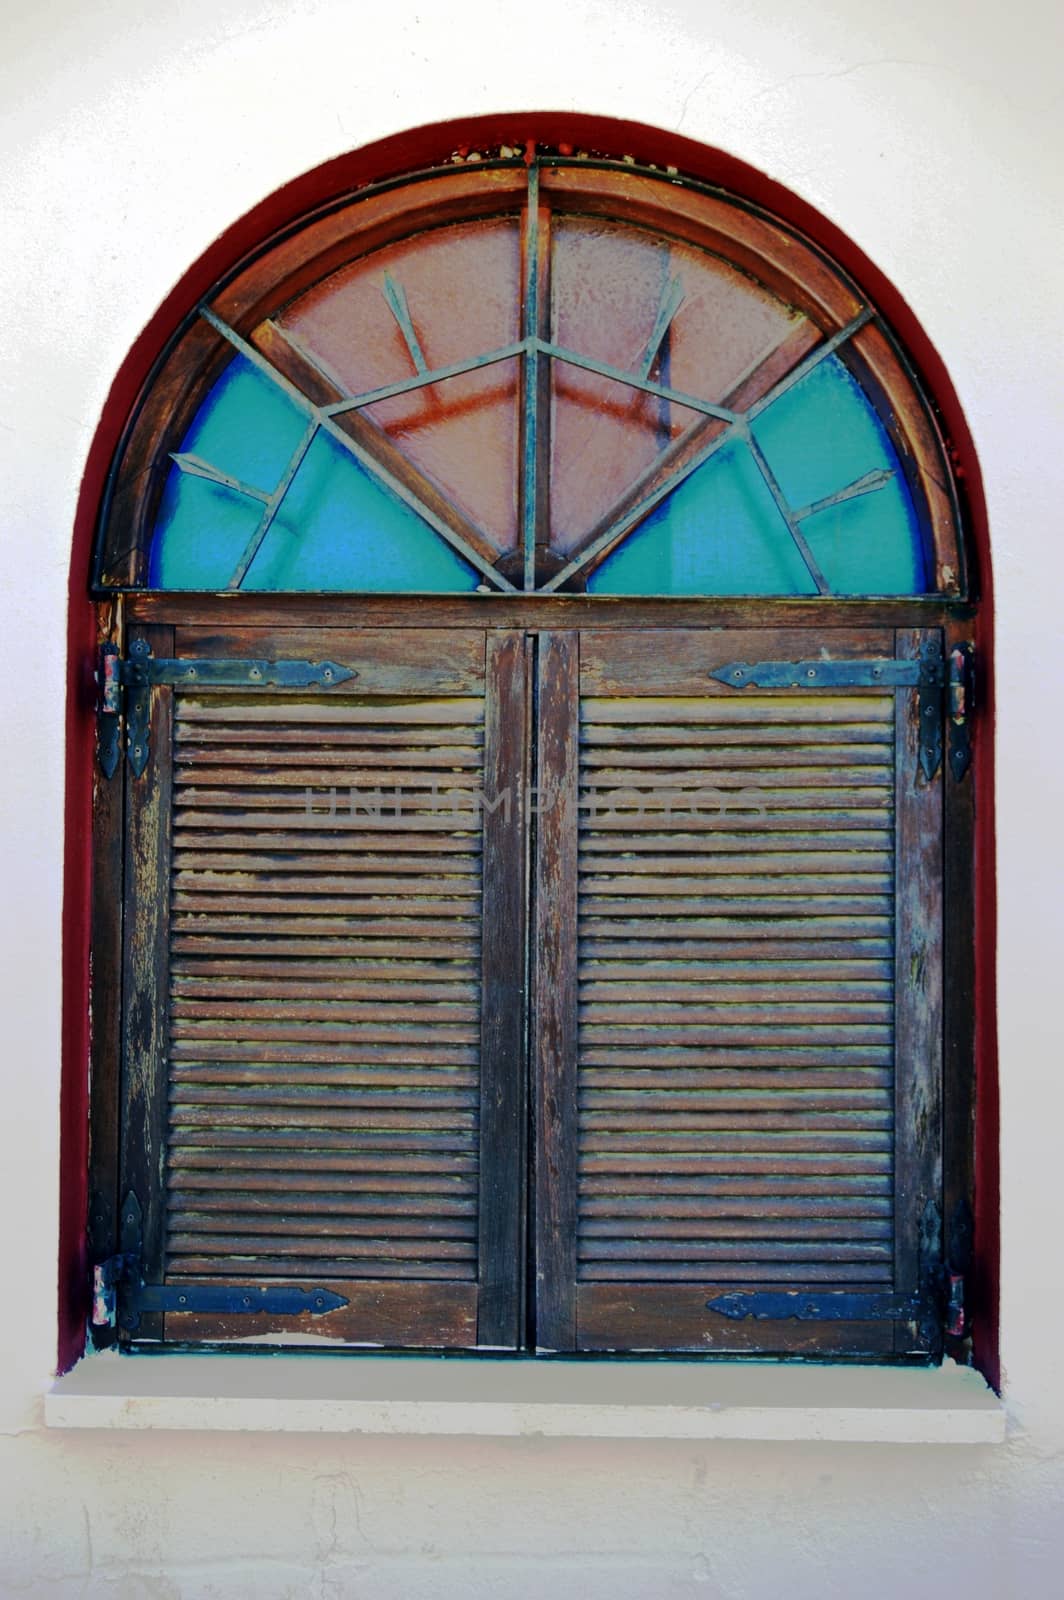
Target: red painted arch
(419, 148)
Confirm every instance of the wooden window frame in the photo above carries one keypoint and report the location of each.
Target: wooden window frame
(247, 298)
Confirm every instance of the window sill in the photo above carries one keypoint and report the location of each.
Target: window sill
(559, 1399)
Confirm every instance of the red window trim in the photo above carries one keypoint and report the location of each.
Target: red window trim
(421, 147)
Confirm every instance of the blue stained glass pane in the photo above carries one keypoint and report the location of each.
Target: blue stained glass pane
(820, 436)
(718, 533)
(246, 426)
(338, 527)
(201, 532)
(869, 545)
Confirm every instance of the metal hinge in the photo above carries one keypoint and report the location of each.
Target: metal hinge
(941, 1305)
(936, 1306)
(126, 685)
(120, 1296)
(961, 705)
(939, 680)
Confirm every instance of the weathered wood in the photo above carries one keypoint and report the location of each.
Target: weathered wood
(764, 1087)
(678, 661)
(637, 1316)
(960, 1008)
(299, 1080)
(503, 1032)
(918, 991)
(144, 988)
(537, 613)
(437, 661)
(555, 984)
(105, 1112)
(417, 1315)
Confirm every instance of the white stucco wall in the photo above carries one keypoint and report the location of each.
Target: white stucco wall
(133, 133)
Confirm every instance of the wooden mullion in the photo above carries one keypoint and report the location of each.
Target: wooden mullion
(918, 988)
(503, 1067)
(546, 613)
(555, 992)
(144, 980)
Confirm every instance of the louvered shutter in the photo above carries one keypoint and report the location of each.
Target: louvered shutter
(323, 1052)
(738, 1002)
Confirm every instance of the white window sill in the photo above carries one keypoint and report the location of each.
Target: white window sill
(560, 1399)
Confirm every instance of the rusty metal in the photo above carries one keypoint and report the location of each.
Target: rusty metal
(672, 298)
(604, 369)
(195, 467)
(799, 1305)
(395, 295)
(454, 369)
(961, 694)
(273, 505)
(138, 706)
(742, 431)
(109, 713)
(530, 419)
(120, 1295)
(127, 685)
(929, 674)
(871, 673)
(868, 484)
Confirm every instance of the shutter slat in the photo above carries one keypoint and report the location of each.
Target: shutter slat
(317, 1184)
(311, 715)
(641, 763)
(198, 886)
(699, 1009)
(742, 1270)
(193, 1012)
(672, 1215)
(796, 711)
(190, 1208)
(191, 737)
(764, 864)
(249, 1264)
(729, 838)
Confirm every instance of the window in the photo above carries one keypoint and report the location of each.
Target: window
(535, 723)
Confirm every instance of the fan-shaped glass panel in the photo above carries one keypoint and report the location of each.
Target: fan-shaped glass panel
(547, 399)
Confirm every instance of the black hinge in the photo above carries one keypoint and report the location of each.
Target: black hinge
(127, 684)
(961, 706)
(120, 1296)
(937, 679)
(937, 1305)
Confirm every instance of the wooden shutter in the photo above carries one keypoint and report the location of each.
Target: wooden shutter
(738, 1005)
(323, 1068)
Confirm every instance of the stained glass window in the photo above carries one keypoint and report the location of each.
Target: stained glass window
(543, 398)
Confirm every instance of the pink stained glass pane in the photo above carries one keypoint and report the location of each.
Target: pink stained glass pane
(460, 287)
(609, 285)
(464, 434)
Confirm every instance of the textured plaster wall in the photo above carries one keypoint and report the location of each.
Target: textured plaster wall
(132, 134)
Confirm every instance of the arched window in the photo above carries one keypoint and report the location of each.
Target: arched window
(533, 722)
